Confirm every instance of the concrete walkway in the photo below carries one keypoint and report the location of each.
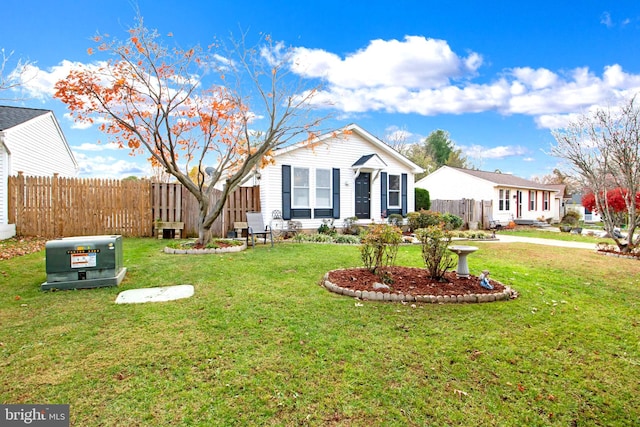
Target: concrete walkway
(539, 241)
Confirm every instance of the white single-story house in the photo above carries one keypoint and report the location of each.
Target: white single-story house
(575, 204)
(31, 142)
(341, 174)
(513, 198)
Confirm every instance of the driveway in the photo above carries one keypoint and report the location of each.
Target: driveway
(548, 242)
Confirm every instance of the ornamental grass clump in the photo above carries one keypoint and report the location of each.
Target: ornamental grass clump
(379, 248)
(435, 240)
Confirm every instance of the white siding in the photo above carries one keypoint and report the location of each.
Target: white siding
(340, 152)
(38, 148)
(451, 184)
(4, 160)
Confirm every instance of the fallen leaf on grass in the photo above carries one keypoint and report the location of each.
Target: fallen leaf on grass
(460, 393)
(18, 246)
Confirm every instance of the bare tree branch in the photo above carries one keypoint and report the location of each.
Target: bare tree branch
(154, 100)
(603, 149)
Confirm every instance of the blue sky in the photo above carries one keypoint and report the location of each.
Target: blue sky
(496, 75)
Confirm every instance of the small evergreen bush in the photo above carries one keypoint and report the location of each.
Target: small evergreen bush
(423, 200)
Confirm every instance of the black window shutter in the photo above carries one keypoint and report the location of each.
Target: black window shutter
(286, 192)
(404, 194)
(383, 194)
(336, 193)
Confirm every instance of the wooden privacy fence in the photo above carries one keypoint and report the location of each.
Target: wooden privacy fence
(53, 206)
(173, 202)
(56, 207)
(478, 211)
(243, 200)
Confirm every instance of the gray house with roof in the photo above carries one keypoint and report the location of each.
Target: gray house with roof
(512, 198)
(31, 142)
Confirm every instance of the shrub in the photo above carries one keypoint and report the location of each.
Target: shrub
(395, 219)
(472, 234)
(379, 248)
(347, 239)
(437, 259)
(424, 219)
(423, 201)
(571, 218)
(327, 227)
(326, 238)
(350, 226)
(452, 222)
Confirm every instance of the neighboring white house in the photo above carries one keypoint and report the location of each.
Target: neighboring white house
(32, 142)
(347, 173)
(513, 198)
(575, 204)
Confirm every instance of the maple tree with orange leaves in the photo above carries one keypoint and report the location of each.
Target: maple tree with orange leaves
(151, 98)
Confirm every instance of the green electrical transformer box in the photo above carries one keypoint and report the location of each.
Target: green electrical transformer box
(84, 262)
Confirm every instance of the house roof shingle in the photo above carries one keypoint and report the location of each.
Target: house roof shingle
(13, 116)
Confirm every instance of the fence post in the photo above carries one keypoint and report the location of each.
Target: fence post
(19, 202)
(55, 206)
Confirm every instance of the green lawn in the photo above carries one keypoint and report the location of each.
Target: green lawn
(260, 343)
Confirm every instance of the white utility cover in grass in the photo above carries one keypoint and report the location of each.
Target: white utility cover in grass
(165, 293)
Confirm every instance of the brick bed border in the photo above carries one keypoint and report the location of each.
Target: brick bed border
(506, 295)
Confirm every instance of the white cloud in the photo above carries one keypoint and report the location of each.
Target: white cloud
(413, 63)
(88, 146)
(605, 19)
(424, 76)
(39, 83)
(110, 167)
(500, 152)
(418, 75)
(536, 79)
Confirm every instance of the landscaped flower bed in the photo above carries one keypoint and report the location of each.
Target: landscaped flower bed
(613, 250)
(216, 246)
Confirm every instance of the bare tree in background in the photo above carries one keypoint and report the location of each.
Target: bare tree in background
(397, 139)
(11, 79)
(572, 185)
(603, 150)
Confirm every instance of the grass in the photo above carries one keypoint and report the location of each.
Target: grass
(260, 343)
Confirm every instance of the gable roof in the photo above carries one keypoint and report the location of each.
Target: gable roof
(362, 161)
(507, 180)
(10, 117)
(561, 189)
(14, 116)
(353, 128)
